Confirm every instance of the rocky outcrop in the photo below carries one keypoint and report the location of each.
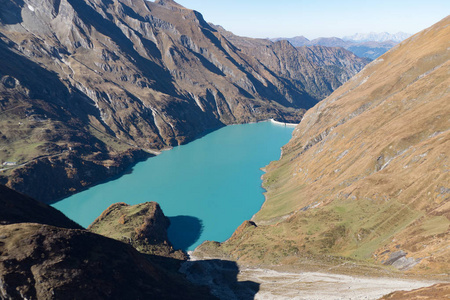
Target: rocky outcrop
(89, 87)
(365, 175)
(399, 260)
(143, 226)
(243, 227)
(45, 255)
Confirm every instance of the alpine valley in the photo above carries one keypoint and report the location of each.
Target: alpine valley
(357, 206)
(366, 175)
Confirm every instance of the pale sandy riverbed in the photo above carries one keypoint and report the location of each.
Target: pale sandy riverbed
(314, 285)
(229, 281)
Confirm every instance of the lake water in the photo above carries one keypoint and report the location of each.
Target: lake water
(207, 188)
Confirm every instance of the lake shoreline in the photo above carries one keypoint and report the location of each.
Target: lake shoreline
(206, 180)
(127, 168)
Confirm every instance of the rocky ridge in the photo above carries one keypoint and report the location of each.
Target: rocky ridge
(44, 255)
(19, 208)
(90, 87)
(320, 69)
(143, 226)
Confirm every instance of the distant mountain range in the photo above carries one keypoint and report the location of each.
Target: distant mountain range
(370, 45)
(377, 37)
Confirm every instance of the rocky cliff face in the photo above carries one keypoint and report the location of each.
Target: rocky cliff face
(144, 226)
(316, 71)
(44, 255)
(366, 173)
(90, 87)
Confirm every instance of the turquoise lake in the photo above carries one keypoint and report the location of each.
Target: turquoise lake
(207, 188)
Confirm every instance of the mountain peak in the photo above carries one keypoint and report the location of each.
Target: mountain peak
(296, 41)
(169, 4)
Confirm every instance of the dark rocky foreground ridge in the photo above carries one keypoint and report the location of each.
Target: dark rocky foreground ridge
(89, 87)
(18, 208)
(44, 255)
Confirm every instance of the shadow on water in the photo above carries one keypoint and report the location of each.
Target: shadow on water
(221, 276)
(184, 231)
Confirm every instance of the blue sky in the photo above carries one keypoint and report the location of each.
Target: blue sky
(319, 18)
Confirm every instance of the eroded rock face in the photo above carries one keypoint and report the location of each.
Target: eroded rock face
(90, 87)
(144, 226)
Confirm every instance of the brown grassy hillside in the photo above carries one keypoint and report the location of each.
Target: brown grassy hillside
(366, 174)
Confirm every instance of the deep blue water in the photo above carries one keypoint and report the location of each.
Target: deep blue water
(207, 188)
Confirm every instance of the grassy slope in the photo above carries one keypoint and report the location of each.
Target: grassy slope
(367, 169)
(143, 226)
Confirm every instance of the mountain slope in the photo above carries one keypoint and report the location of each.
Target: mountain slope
(317, 70)
(18, 208)
(366, 173)
(44, 262)
(90, 87)
(45, 255)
